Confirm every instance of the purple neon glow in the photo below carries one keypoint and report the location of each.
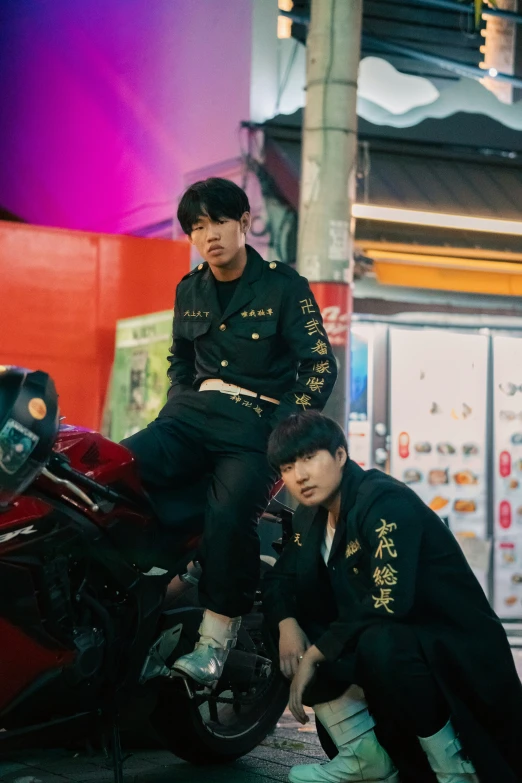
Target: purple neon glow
(106, 104)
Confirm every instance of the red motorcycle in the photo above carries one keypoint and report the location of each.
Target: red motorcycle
(87, 646)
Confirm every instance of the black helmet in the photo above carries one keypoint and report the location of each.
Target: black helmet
(29, 422)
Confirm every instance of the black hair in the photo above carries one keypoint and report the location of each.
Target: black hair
(215, 198)
(301, 434)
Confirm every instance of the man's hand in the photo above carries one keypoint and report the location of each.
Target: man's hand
(293, 643)
(303, 678)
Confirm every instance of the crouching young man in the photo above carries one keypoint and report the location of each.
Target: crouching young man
(383, 628)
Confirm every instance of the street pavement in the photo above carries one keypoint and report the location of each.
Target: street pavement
(289, 744)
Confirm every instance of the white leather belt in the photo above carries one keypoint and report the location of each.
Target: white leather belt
(214, 384)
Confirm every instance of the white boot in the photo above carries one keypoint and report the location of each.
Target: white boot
(218, 636)
(446, 759)
(361, 758)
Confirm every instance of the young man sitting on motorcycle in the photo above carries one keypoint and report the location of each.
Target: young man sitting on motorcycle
(249, 348)
(373, 592)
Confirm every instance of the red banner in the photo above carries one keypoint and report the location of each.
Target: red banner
(335, 303)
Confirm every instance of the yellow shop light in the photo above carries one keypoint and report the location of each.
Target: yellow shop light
(284, 24)
(444, 272)
(437, 219)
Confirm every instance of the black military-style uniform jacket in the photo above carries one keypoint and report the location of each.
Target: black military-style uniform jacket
(394, 561)
(270, 340)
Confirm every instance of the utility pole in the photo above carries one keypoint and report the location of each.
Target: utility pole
(329, 162)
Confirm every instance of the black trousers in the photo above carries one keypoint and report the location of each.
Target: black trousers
(210, 432)
(402, 694)
(390, 667)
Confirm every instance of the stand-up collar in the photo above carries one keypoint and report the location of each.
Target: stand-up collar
(254, 266)
(350, 483)
(246, 290)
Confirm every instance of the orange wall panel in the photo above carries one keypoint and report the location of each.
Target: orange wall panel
(43, 284)
(62, 293)
(145, 269)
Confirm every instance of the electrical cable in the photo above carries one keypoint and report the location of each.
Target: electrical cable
(286, 77)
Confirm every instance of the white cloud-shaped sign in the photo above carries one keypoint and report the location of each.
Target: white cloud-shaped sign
(397, 93)
(465, 95)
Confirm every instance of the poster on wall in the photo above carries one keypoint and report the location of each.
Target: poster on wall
(361, 395)
(139, 382)
(438, 393)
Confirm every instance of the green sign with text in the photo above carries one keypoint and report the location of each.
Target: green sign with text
(139, 382)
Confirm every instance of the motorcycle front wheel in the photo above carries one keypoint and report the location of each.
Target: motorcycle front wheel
(225, 725)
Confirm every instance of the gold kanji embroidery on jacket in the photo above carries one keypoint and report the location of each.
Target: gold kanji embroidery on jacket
(313, 326)
(315, 384)
(386, 543)
(385, 576)
(307, 306)
(352, 548)
(320, 347)
(304, 400)
(322, 367)
(384, 599)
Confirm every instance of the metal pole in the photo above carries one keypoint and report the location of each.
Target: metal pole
(329, 162)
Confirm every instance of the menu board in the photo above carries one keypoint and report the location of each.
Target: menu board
(507, 417)
(507, 414)
(438, 391)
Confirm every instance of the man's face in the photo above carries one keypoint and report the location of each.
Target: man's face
(220, 241)
(315, 479)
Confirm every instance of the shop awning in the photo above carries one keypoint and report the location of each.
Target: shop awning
(429, 216)
(388, 177)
